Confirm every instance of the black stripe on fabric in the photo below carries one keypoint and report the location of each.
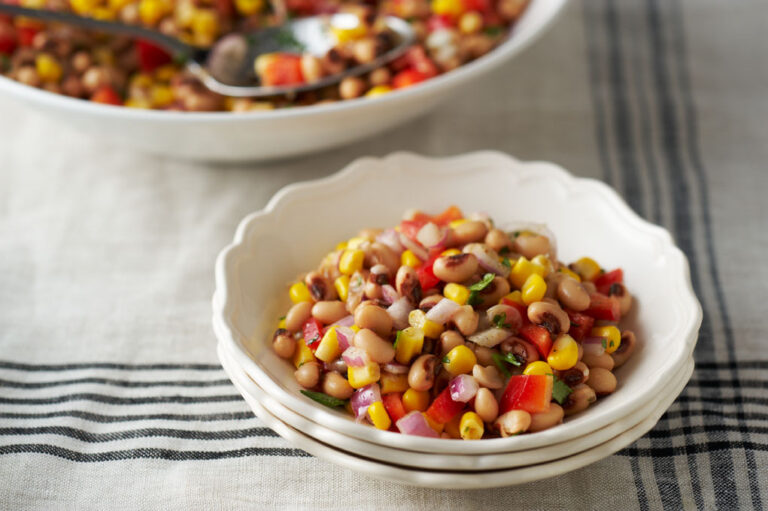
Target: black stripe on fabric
(109, 419)
(150, 453)
(660, 432)
(730, 383)
(114, 383)
(732, 364)
(114, 400)
(20, 366)
(90, 437)
(692, 449)
(722, 400)
(674, 414)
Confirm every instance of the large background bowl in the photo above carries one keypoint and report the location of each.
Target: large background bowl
(261, 135)
(304, 221)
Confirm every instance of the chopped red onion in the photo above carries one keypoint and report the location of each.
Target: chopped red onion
(509, 314)
(398, 311)
(443, 311)
(345, 335)
(345, 321)
(593, 346)
(491, 337)
(389, 294)
(488, 258)
(390, 238)
(414, 247)
(395, 368)
(414, 423)
(431, 235)
(355, 357)
(463, 388)
(363, 398)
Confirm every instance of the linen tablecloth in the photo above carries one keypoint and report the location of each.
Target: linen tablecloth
(111, 395)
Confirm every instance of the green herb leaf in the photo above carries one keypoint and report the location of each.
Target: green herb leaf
(446, 360)
(516, 234)
(282, 318)
(504, 251)
(493, 30)
(397, 338)
(324, 399)
(500, 362)
(560, 391)
(474, 298)
(602, 341)
(506, 262)
(285, 39)
(479, 286)
(500, 320)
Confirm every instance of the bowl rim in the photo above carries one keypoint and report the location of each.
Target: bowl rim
(439, 462)
(457, 480)
(458, 76)
(681, 292)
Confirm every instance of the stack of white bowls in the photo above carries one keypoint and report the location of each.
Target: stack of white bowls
(303, 221)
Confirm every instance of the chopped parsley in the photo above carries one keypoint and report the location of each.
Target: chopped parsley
(446, 360)
(499, 360)
(324, 399)
(282, 318)
(397, 338)
(504, 251)
(506, 262)
(560, 391)
(286, 39)
(602, 341)
(516, 234)
(474, 289)
(493, 31)
(500, 320)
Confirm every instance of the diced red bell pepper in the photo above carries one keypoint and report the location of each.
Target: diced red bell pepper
(581, 324)
(7, 38)
(604, 282)
(411, 228)
(439, 21)
(538, 336)
(393, 403)
(407, 78)
(449, 215)
(522, 309)
(531, 393)
(443, 408)
(226, 8)
(151, 56)
(604, 307)
(313, 333)
(26, 35)
(477, 5)
(282, 69)
(426, 273)
(107, 96)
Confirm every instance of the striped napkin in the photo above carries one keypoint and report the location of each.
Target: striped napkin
(111, 395)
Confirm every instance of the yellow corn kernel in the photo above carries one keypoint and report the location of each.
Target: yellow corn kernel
(537, 368)
(612, 337)
(281, 323)
(361, 376)
(341, 246)
(138, 103)
(104, 14)
(456, 223)
(514, 296)
(570, 273)
(141, 81)
(437, 426)
(523, 269)
(351, 261)
(471, 426)
(342, 287)
(161, 95)
(408, 258)
(450, 252)
(460, 360)
(564, 353)
(534, 289)
(151, 11)
(378, 90)
(415, 400)
(379, 416)
(249, 7)
(83, 7)
(345, 34)
(408, 344)
(33, 4)
(355, 328)
(165, 73)
(543, 261)
(299, 293)
(116, 5)
(328, 350)
(456, 292)
(303, 354)
(355, 242)
(48, 68)
(452, 8)
(417, 318)
(205, 23)
(393, 382)
(587, 268)
(452, 427)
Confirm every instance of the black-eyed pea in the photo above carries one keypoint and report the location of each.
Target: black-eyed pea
(590, 287)
(484, 355)
(493, 292)
(549, 315)
(578, 400)
(498, 240)
(320, 288)
(379, 350)
(602, 381)
(311, 68)
(487, 376)
(351, 87)
(575, 375)
(455, 268)
(513, 423)
(545, 420)
(369, 233)
(466, 320)
(523, 351)
(531, 245)
(572, 294)
(625, 349)
(421, 375)
(408, 285)
(486, 405)
(283, 344)
(329, 311)
(297, 316)
(378, 253)
(470, 231)
(604, 361)
(374, 318)
(449, 340)
(380, 76)
(308, 375)
(373, 291)
(625, 298)
(427, 303)
(337, 386)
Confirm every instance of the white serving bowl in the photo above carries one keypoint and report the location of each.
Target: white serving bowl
(303, 221)
(225, 136)
(451, 462)
(451, 479)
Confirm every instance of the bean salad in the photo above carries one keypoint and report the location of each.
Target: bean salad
(449, 326)
(135, 73)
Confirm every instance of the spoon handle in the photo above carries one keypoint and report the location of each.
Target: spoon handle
(175, 46)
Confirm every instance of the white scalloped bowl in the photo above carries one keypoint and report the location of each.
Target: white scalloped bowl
(224, 136)
(303, 221)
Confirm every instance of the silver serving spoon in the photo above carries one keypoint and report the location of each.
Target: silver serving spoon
(227, 67)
